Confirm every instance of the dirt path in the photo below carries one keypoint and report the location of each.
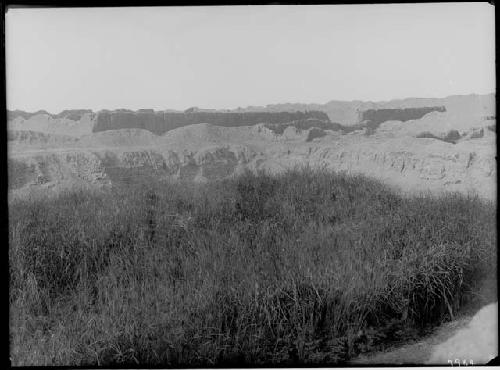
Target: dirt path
(471, 336)
(468, 338)
(478, 341)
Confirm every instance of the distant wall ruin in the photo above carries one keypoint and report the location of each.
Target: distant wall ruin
(375, 117)
(161, 122)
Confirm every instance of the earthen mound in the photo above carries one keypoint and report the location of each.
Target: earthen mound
(39, 139)
(117, 138)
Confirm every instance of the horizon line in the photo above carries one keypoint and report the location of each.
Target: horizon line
(248, 106)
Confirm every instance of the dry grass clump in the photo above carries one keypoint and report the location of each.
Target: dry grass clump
(307, 267)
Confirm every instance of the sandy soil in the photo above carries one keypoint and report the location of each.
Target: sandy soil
(468, 338)
(477, 341)
(471, 336)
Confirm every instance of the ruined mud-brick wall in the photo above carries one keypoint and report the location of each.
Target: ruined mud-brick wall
(161, 122)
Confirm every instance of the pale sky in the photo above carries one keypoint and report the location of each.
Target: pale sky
(230, 56)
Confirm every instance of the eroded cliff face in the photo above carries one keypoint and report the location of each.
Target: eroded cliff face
(426, 166)
(124, 166)
(49, 168)
(408, 165)
(413, 144)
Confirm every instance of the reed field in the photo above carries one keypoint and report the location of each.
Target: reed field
(306, 267)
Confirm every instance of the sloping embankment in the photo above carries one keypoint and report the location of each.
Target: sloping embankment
(408, 164)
